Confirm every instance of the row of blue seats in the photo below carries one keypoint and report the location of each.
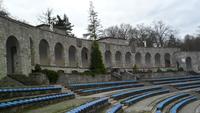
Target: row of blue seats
(181, 104)
(186, 84)
(21, 102)
(161, 105)
(146, 95)
(10, 90)
(78, 86)
(133, 92)
(189, 87)
(97, 90)
(173, 78)
(116, 108)
(85, 108)
(176, 81)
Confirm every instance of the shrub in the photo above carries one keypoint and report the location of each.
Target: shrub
(51, 75)
(37, 68)
(159, 70)
(97, 65)
(135, 69)
(180, 69)
(75, 72)
(149, 71)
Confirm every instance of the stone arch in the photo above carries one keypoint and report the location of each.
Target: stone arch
(128, 59)
(59, 54)
(32, 51)
(85, 57)
(138, 59)
(167, 58)
(188, 63)
(118, 58)
(13, 55)
(72, 56)
(44, 52)
(148, 59)
(157, 60)
(108, 58)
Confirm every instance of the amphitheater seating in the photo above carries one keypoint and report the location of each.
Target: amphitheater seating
(39, 100)
(143, 96)
(99, 84)
(27, 91)
(115, 109)
(90, 106)
(161, 105)
(133, 92)
(172, 78)
(182, 103)
(98, 90)
(179, 85)
(189, 87)
(176, 81)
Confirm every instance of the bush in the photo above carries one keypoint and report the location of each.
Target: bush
(97, 65)
(37, 68)
(51, 75)
(135, 69)
(159, 70)
(180, 69)
(75, 72)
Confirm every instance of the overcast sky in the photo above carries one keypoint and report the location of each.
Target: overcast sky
(183, 15)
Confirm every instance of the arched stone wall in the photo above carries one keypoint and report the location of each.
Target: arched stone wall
(138, 59)
(85, 57)
(118, 58)
(157, 60)
(13, 55)
(188, 63)
(148, 60)
(59, 54)
(44, 52)
(167, 58)
(128, 60)
(108, 58)
(72, 56)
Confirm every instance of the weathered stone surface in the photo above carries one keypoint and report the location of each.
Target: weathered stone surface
(29, 52)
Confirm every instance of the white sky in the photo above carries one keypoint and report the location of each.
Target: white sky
(183, 15)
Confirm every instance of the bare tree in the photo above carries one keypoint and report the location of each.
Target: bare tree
(162, 32)
(47, 17)
(3, 11)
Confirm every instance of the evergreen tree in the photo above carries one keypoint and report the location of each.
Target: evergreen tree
(97, 65)
(94, 27)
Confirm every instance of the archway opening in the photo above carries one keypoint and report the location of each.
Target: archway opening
(138, 59)
(157, 60)
(128, 59)
(72, 56)
(118, 58)
(188, 63)
(13, 55)
(167, 60)
(108, 59)
(148, 59)
(59, 54)
(44, 52)
(85, 57)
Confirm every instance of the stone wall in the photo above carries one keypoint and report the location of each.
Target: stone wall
(29, 52)
(66, 79)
